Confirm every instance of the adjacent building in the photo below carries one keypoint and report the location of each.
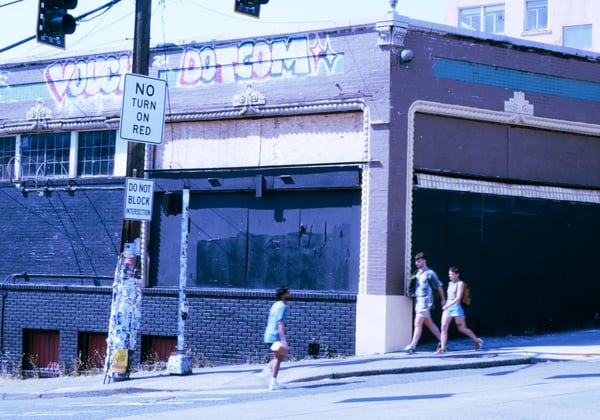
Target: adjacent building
(323, 159)
(571, 24)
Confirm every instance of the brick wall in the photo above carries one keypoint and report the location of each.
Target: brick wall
(223, 327)
(61, 232)
(226, 326)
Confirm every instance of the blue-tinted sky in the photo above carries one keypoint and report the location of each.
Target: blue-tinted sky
(185, 20)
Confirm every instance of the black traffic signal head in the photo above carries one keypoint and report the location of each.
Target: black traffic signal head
(249, 7)
(54, 21)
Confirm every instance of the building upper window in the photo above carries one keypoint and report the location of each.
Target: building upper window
(45, 155)
(470, 18)
(58, 155)
(536, 15)
(483, 18)
(96, 153)
(579, 36)
(7, 158)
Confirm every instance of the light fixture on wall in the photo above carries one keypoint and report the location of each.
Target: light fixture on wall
(286, 179)
(406, 57)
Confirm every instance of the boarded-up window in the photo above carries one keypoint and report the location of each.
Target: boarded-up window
(92, 350)
(302, 228)
(157, 348)
(40, 349)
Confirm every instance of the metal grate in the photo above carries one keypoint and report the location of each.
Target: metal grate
(516, 190)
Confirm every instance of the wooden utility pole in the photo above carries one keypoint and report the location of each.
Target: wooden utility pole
(131, 229)
(125, 314)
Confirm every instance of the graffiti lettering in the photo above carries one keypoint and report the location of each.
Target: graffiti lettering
(210, 64)
(252, 60)
(87, 77)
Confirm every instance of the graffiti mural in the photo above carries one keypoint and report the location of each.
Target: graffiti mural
(255, 60)
(101, 78)
(75, 79)
(88, 77)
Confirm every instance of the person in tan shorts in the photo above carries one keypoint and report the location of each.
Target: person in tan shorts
(426, 282)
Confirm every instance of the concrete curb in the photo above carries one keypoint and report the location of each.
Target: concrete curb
(476, 364)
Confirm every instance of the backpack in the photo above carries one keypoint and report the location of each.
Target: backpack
(412, 287)
(466, 296)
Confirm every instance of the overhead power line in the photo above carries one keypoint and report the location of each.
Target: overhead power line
(81, 17)
(10, 2)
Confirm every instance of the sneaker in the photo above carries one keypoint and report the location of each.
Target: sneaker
(478, 344)
(409, 349)
(275, 386)
(440, 350)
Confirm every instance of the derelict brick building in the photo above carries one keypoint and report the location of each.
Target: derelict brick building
(321, 159)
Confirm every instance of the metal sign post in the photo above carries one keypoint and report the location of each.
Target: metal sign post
(179, 362)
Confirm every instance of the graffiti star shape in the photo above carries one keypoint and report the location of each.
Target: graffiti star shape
(323, 54)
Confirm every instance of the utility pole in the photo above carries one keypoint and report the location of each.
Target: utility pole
(126, 304)
(136, 151)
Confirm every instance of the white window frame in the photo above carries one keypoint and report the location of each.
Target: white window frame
(78, 159)
(473, 15)
(497, 17)
(583, 29)
(533, 10)
(69, 169)
(477, 18)
(37, 169)
(8, 162)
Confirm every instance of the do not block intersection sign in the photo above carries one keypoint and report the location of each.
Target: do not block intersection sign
(138, 199)
(143, 109)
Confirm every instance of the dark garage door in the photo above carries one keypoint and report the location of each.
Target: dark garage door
(529, 262)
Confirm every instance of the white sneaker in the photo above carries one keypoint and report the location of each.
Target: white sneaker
(409, 349)
(479, 344)
(275, 386)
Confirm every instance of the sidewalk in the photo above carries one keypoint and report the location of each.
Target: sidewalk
(497, 351)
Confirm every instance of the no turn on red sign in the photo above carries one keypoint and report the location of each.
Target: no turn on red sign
(143, 109)
(138, 199)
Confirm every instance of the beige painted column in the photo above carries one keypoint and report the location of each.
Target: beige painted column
(383, 323)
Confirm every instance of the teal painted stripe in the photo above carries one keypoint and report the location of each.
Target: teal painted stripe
(505, 78)
(24, 92)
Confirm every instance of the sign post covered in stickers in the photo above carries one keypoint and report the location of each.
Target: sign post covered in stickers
(142, 120)
(125, 314)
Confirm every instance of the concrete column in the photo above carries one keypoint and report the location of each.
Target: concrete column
(383, 323)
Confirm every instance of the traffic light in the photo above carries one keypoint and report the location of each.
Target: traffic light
(54, 22)
(249, 7)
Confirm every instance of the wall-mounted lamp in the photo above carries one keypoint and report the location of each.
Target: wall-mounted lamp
(214, 182)
(405, 57)
(286, 179)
